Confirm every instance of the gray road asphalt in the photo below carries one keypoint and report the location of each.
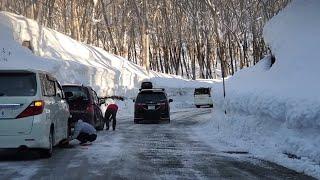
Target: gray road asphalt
(148, 151)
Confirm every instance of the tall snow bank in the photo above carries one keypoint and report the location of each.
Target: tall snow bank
(74, 62)
(288, 91)
(293, 36)
(287, 94)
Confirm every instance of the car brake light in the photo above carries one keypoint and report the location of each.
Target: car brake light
(90, 108)
(139, 106)
(35, 108)
(163, 105)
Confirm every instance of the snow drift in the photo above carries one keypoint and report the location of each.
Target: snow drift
(276, 110)
(73, 62)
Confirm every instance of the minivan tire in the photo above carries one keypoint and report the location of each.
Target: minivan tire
(101, 124)
(100, 128)
(47, 153)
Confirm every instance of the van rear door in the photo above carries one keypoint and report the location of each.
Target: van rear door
(202, 92)
(17, 92)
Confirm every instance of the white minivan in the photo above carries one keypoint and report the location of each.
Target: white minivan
(202, 97)
(33, 110)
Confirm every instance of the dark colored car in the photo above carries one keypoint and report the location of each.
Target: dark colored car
(146, 85)
(84, 104)
(152, 105)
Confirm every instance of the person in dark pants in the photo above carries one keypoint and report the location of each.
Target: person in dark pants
(111, 113)
(84, 132)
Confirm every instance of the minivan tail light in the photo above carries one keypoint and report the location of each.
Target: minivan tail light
(90, 108)
(35, 108)
(139, 106)
(162, 105)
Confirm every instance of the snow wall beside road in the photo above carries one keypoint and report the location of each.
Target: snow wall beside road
(278, 108)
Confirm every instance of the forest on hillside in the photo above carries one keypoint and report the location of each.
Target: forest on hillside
(192, 38)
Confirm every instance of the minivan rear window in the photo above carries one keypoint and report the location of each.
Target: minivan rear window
(18, 84)
(199, 91)
(151, 96)
(77, 91)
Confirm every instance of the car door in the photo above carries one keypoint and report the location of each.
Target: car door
(49, 93)
(62, 112)
(97, 109)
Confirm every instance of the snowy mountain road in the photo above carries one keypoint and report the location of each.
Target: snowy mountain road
(143, 151)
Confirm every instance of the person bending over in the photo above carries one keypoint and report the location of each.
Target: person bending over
(111, 113)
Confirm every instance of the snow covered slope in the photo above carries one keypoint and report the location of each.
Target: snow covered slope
(276, 110)
(74, 62)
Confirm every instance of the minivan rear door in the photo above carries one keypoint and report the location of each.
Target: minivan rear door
(17, 92)
(79, 100)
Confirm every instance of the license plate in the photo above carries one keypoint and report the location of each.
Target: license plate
(152, 107)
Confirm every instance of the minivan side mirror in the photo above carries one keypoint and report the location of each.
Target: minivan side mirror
(68, 94)
(170, 100)
(133, 100)
(102, 101)
(60, 95)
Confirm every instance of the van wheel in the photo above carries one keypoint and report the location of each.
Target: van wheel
(47, 153)
(198, 106)
(101, 125)
(65, 142)
(69, 128)
(100, 128)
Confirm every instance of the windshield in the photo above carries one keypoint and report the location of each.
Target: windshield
(18, 84)
(78, 92)
(151, 96)
(199, 91)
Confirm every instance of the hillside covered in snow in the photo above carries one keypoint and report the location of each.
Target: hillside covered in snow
(73, 62)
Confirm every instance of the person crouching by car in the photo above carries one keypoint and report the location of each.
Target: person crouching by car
(111, 113)
(84, 132)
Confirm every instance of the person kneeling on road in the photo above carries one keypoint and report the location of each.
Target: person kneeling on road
(84, 132)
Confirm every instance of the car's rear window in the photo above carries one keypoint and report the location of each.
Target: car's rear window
(199, 91)
(150, 96)
(77, 91)
(18, 84)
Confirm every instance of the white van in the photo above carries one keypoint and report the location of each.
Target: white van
(33, 110)
(202, 97)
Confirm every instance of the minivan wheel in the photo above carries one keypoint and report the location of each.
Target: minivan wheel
(100, 128)
(47, 153)
(198, 106)
(101, 125)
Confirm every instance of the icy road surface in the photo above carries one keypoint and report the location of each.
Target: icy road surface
(144, 151)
